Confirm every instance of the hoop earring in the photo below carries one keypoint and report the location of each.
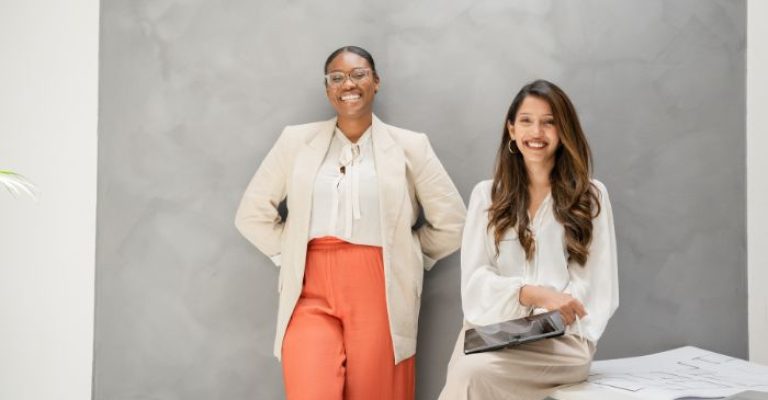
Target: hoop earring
(509, 147)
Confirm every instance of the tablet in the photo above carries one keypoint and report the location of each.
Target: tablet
(513, 332)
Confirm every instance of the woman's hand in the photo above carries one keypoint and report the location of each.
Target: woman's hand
(550, 299)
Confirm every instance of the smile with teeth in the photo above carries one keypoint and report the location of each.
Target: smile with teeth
(535, 144)
(350, 97)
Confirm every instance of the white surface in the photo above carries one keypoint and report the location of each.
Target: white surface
(590, 392)
(757, 178)
(48, 117)
(686, 371)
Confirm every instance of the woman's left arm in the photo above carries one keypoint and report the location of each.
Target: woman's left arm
(596, 283)
(444, 210)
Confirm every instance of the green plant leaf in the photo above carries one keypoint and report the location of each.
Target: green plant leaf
(16, 184)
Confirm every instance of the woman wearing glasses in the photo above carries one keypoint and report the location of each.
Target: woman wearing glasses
(351, 264)
(539, 236)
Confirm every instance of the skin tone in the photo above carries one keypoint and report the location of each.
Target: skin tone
(537, 138)
(353, 101)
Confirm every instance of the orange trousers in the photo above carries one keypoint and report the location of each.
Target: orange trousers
(337, 345)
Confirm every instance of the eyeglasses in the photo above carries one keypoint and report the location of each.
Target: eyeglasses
(338, 78)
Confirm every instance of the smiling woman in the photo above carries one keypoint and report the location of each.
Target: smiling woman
(539, 237)
(351, 83)
(351, 266)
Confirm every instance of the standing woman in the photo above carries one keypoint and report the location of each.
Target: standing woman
(351, 262)
(538, 237)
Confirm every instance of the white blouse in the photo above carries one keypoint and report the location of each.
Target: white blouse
(345, 199)
(490, 284)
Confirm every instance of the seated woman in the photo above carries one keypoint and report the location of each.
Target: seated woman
(538, 237)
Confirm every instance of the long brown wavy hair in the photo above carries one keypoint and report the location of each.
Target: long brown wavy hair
(575, 197)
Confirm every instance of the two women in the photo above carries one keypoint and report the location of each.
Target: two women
(539, 236)
(351, 263)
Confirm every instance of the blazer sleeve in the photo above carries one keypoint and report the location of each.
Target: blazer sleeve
(444, 210)
(487, 296)
(596, 284)
(257, 217)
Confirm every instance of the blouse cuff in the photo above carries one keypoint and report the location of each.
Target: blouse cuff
(575, 290)
(529, 310)
(538, 310)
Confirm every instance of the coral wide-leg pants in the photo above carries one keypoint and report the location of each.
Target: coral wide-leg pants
(337, 345)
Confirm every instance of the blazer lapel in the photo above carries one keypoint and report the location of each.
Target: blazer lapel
(390, 172)
(307, 163)
(308, 160)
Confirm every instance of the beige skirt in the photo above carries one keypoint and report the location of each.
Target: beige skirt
(526, 372)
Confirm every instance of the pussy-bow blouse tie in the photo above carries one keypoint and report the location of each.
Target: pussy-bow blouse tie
(348, 182)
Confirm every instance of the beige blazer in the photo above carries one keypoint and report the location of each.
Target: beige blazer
(409, 174)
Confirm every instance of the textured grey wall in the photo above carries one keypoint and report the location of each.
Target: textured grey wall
(194, 93)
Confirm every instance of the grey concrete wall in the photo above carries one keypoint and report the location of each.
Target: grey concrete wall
(193, 94)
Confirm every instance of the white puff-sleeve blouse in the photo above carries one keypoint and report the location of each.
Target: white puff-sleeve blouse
(490, 284)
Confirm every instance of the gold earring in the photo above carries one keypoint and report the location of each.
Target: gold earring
(509, 147)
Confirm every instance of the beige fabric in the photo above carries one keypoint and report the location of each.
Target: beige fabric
(408, 173)
(527, 372)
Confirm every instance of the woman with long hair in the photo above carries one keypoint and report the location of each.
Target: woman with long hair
(538, 237)
(351, 262)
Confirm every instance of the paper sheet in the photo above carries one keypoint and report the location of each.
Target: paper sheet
(683, 372)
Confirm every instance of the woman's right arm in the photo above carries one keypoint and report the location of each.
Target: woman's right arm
(257, 217)
(487, 296)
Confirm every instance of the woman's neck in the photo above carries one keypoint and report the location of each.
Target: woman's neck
(353, 128)
(538, 177)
